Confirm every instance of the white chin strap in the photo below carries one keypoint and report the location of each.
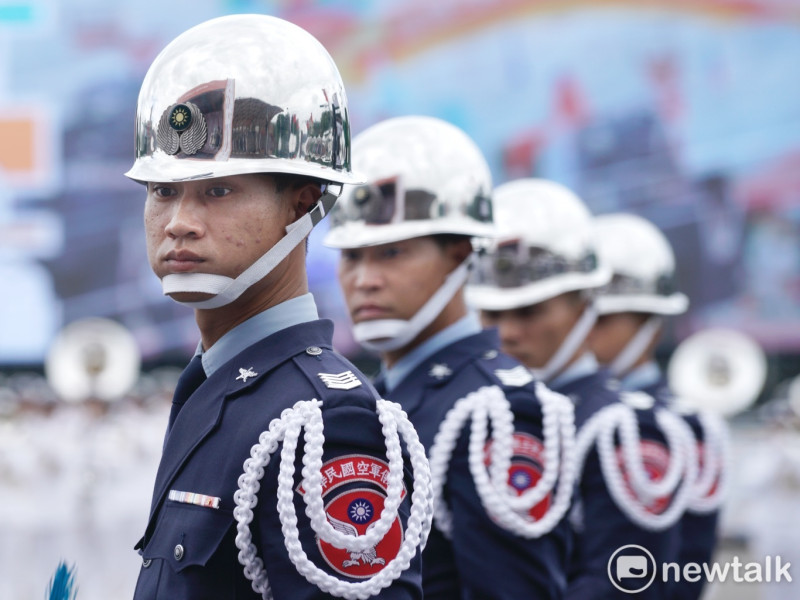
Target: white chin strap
(224, 289)
(569, 346)
(635, 347)
(385, 335)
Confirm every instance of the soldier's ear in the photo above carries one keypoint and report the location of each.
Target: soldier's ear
(459, 249)
(304, 197)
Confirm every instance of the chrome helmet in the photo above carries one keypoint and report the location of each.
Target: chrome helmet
(242, 94)
(423, 176)
(643, 266)
(544, 248)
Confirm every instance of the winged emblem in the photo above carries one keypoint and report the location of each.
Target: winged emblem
(368, 556)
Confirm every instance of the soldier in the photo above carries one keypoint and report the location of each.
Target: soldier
(500, 495)
(632, 309)
(242, 139)
(535, 285)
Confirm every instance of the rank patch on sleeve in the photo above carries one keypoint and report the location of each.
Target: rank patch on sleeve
(516, 377)
(354, 488)
(340, 381)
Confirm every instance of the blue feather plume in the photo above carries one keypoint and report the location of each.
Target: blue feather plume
(62, 583)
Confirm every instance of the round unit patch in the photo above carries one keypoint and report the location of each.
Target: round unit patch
(527, 466)
(655, 459)
(354, 488)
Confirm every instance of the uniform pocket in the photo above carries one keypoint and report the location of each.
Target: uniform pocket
(187, 535)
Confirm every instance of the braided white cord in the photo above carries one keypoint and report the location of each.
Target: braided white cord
(498, 499)
(670, 425)
(287, 429)
(716, 453)
(600, 428)
(312, 483)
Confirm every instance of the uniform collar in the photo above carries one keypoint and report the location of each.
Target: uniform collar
(647, 375)
(466, 326)
(585, 365)
(291, 312)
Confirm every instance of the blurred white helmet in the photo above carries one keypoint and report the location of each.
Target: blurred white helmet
(424, 176)
(242, 94)
(643, 267)
(719, 370)
(544, 248)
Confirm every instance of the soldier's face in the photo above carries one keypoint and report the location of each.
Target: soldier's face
(393, 281)
(218, 226)
(612, 333)
(533, 334)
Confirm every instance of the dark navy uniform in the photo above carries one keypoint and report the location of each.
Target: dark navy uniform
(482, 560)
(602, 527)
(188, 550)
(698, 537)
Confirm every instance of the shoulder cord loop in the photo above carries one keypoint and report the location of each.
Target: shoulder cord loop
(679, 478)
(307, 415)
(716, 454)
(498, 499)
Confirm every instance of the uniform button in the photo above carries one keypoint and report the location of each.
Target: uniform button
(313, 350)
(146, 563)
(490, 354)
(178, 552)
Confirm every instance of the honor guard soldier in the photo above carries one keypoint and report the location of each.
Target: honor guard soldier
(535, 284)
(632, 309)
(283, 474)
(500, 445)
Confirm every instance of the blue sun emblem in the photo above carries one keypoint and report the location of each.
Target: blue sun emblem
(360, 510)
(520, 480)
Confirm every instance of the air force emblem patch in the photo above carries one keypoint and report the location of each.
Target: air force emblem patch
(354, 488)
(340, 381)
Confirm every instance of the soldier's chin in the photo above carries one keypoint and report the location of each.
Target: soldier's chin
(190, 296)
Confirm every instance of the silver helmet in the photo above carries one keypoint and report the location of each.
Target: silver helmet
(424, 177)
(242, 94)
(545, 248)
(643, 264)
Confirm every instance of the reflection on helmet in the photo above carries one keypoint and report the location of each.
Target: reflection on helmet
(545, 248)
(643, 264)
(424, 177)
(242, 94)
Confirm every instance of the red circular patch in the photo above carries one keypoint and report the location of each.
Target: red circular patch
(527, 466)
(353, 513)
(655, 459)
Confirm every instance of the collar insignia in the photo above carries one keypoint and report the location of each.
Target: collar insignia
(245, 374)
(440, 371)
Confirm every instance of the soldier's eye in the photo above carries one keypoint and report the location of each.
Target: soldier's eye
(219, 192)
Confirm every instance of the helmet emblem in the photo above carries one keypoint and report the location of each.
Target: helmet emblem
(182, 127)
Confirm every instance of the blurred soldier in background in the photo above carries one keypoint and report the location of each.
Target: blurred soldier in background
(242, 139)
(535, 285)
(632, 308)
(406, 254)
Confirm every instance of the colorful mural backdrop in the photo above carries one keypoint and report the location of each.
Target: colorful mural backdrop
(687, 113)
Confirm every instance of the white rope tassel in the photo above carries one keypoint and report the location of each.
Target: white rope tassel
(678, 480)
(498, 498)
(307, 415)
(716, 454)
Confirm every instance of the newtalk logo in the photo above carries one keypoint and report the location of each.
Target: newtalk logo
(632, 569)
